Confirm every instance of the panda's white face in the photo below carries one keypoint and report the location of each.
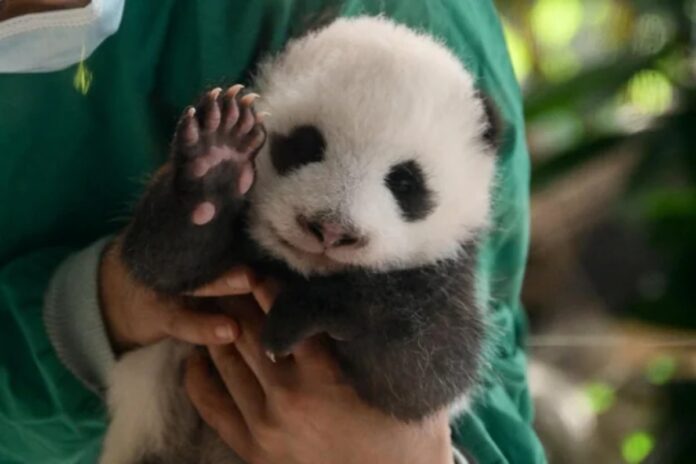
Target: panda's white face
(375, 156)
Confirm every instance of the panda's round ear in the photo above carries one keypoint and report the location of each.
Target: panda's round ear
(493, 134)
(314, 21)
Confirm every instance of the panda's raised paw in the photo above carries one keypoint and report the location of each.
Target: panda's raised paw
(214, 149)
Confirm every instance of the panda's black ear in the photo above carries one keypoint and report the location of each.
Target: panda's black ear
(315, 20)
(493, 135)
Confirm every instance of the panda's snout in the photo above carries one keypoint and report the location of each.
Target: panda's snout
(330, 233)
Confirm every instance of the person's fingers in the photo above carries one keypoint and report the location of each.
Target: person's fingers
(249, 346)
(240, 382)
(237, 281)
(198, 328)
(215, 406)
(266, 293)
(315, 362)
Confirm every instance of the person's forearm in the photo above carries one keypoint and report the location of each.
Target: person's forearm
(73, 318)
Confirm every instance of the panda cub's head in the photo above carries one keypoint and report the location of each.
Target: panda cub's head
(377, 156)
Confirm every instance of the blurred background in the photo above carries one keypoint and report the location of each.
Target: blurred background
(610, 93)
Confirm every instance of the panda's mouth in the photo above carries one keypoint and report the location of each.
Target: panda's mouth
(296, 249)
(319, 259)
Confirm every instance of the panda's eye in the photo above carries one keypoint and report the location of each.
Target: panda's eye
(406, 182)
(304, 145)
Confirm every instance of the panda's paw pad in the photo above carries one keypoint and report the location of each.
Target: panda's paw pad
(215, 146)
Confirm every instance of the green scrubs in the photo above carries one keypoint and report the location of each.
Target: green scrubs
(74, 153)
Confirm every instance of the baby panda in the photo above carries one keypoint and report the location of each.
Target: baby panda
(362, 180)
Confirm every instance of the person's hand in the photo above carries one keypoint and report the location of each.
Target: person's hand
(299, 410)
(136, 315)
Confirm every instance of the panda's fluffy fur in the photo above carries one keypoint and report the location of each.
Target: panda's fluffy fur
(380, 95)
(395, 148)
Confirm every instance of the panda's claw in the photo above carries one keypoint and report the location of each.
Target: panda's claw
(214, 150)
(230, 111)
(246, 122)
(248, 99)
(212, 113)
(234, 90)
(261, 116)
(188, 131)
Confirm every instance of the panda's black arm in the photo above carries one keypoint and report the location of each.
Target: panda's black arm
(165, 250)
(188, 229)
(351, 305)
(408, 341)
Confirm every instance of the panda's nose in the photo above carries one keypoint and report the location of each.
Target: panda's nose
(329, 233)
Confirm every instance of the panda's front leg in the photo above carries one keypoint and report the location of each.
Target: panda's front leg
(303, 311)
(185, 231)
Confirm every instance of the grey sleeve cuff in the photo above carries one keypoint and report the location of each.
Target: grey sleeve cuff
(459, 458)
(73, 318)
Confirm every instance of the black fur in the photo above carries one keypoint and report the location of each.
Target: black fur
(408, 185)
(165, 250)
(409, 341)
(304, 145)
(493, 134)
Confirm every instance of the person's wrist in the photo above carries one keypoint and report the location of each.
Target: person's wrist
(439, 448)
(427, 443)
(115, 289)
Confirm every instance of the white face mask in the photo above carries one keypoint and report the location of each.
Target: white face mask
(54, 40)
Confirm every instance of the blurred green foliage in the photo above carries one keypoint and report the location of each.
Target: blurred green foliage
(601, 76)
(601, 396)
(661, 370)
(637, 446)
(618, 77)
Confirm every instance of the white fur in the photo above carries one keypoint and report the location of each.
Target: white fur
(460, 406)
(141, 387)
(380, 94)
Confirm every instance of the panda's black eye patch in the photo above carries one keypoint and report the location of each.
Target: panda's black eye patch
(406, 181)
(304, 145)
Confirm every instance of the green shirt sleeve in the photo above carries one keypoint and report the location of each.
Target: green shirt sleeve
(73, 159)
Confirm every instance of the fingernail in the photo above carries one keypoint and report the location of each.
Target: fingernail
(225, 332)
(271, 356)
(238, 281)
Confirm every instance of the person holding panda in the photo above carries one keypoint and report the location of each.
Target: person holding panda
(95, 312)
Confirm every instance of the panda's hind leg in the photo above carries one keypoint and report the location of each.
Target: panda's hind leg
(183, 231)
